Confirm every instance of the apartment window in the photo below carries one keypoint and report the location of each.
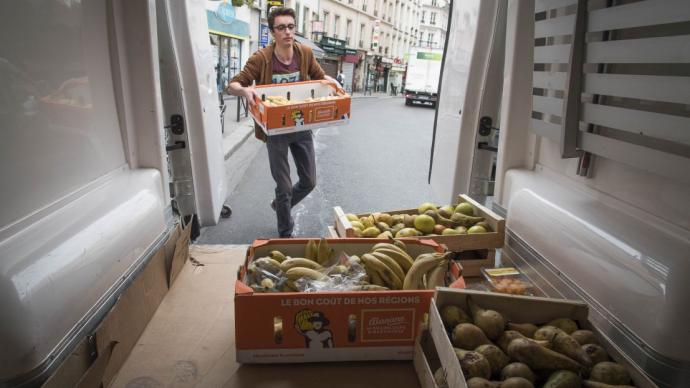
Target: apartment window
(423, 16)
(432, 18)
(325, 23)
(297, 19)
(430, 39)
(336, 26)
(434, 3)
(304, 20)
(348, 31)
(350, 1)
(361, 35)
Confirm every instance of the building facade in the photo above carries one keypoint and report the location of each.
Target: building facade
(368, 40)
(233, 37)
(433, 23)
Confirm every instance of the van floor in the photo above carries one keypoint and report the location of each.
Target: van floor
(190, 341)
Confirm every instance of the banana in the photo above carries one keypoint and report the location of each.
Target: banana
(277, 256)
(373, 276)
(299, 262)
(390, 263)
(404, 260)
(301, 272)
(267, 283)
(387, 246)
(289, 286)
(324, 252)
(311, 251)
(369, 287)
(398, 243)
(436, 277)
(268, 264)
(465, 220)
(389, 277)
(424, 263)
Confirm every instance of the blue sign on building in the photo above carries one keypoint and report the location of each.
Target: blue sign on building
(225, 12)
(263, 35)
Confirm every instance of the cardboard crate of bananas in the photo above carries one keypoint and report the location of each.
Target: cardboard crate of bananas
(353, 299)
(299, 106)
(464, 225)
(486, 340)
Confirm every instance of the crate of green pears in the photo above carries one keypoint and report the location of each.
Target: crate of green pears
(464, 225)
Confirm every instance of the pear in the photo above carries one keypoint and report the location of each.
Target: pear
(584, 337)
(473, 364)
(518, 369)
(446, 211)
(452, 315)
(509, 335)
(468, 336)
(596, 353)
(497, 359)
(610, 373)
(565, 324)
(491, 322)
(527, 329)
(426, 206)
(540, 358)
(479, 382)
(563, 343)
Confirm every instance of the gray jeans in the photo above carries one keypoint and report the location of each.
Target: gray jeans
(301, 145)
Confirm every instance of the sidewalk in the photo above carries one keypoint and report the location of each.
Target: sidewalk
(237, 133)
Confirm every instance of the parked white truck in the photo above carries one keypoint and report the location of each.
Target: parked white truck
(422, 75)
(590, 98)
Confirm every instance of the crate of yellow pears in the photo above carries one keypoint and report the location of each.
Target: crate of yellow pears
(461, 226)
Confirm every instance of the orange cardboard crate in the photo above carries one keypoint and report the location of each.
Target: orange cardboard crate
(299, 114)
(364, 325)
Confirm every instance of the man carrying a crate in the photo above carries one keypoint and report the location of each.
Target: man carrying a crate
(281, 62)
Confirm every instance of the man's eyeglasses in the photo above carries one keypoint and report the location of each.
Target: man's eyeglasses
(282, 27)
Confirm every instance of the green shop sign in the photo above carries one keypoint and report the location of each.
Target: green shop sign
(338, 43)
(429, 56)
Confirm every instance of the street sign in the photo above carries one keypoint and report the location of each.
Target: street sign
(263, 35)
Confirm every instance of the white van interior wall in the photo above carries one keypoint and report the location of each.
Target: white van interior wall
(135, 67)
(663, 197)
(516, 146)
(59, 122)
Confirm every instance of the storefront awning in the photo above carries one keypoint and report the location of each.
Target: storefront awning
(227, 27)
(318, 52)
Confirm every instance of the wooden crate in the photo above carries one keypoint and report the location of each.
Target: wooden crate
(473, 261)
(516, 309)
(455, 243)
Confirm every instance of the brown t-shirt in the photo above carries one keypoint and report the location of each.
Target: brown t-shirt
(283, 73)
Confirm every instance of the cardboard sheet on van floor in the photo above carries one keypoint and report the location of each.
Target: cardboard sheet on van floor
(190, 340)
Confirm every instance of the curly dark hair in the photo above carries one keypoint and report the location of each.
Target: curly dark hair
(280, 11)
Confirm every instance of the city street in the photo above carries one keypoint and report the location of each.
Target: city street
(379, 161)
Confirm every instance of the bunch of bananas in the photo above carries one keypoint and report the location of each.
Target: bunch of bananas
(278, 272)
(389, 265)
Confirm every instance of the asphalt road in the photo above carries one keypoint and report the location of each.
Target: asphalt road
(379, 162)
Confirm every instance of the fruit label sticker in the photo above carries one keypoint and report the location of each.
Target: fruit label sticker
(504, 271)
(324, 113)
(387, 325)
